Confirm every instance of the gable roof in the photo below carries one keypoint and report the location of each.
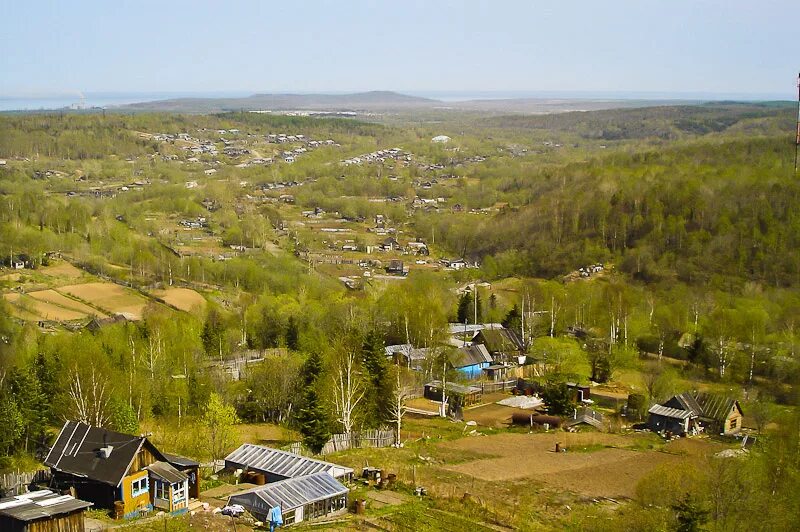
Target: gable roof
(716, 407)
(77, 452)
(499, 340)
(42, 504)
(684, 401)
(470, 355)
(282, 463)
(290, 493)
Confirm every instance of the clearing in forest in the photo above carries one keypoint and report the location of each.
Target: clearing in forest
(51, 296)
(112, 298)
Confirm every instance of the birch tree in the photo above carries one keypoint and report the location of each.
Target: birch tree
(398, 405)
(89, 399)
(348, 390)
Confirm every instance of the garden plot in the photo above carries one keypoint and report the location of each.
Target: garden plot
(53, 297)
(33, 309)
(112, 298)
(184, 299)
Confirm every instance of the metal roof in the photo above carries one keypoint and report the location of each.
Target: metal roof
(470, 355)
(281, 463)
(41, 504)
(666, 411)
(290, 493)
(454, 387)
(716, 407)
(166, 472)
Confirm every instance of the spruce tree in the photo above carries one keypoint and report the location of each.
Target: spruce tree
(379, 394)
(464, 306)
(313, 417)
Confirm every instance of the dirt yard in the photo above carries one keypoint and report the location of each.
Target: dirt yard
(112, 298)
(492, 415)
(182, 298)
(610, 472)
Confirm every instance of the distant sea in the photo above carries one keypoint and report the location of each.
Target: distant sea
(101, 99)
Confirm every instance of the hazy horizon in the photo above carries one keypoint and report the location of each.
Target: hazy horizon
(698, 48)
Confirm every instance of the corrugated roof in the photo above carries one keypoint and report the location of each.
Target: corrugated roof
(77, 451)
(454, 387)
(165, 471)
(290, 493)
(281, 463)
(675, 413)
(716, 407)
(499, 340)
(41, 504)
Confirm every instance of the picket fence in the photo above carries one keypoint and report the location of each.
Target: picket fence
(354, 440)
(17, 483)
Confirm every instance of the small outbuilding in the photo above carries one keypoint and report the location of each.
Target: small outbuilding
(470, 360)
(42, 511)
(277, 465)
(297, 499)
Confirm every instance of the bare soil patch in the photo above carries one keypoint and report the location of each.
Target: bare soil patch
(610, 472)
(51, 296)
(42, 310)
(64, 270)
(184, 299)
(112, 298)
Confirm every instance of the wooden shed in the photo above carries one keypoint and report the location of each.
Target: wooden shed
(42, 511)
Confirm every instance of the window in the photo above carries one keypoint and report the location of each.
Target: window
(139, 486)
(179, 493)
(733, 423)
(162, 490)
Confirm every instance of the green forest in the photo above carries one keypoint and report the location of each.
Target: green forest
(690, 213)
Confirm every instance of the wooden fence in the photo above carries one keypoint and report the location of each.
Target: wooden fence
(17, 483)
(500, 386)
(354, 440)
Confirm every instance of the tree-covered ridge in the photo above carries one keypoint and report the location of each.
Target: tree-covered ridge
(664, 122)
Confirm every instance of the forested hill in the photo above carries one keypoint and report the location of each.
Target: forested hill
(663, 122)
(714, 207)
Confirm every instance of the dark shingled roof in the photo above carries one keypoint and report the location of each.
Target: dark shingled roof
(42, 504)
(77, 452)
(180, 461)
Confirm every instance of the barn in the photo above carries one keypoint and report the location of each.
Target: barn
(299, 499)
(42, 511)
(277, 465)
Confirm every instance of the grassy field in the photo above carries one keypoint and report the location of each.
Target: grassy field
(34, 308)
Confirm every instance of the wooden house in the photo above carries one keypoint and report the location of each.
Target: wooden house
(42, 511)
(504, 345)
(691, 413)
(114, 471)
(297, 499)
(470, 360)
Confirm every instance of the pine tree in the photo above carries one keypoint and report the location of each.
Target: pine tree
(313, 417)
(513, 319)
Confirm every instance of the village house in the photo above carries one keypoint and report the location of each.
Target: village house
(470, 360)
(265, 464)
(42, 511)
(296, 499)
(688, 413)
(407, 355)
(115, 471)
(503, 344)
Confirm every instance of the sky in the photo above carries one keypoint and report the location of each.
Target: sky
(248, 46)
